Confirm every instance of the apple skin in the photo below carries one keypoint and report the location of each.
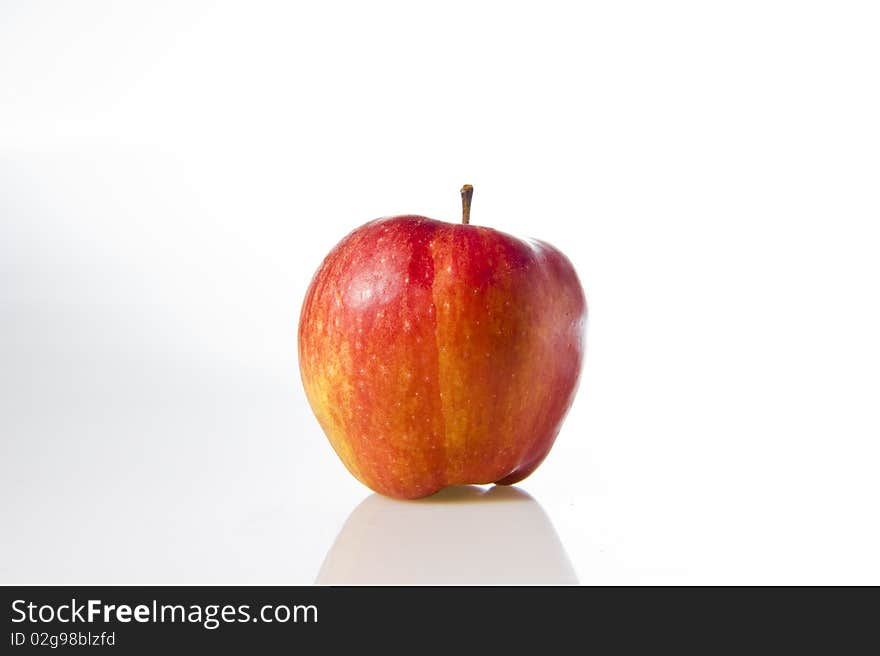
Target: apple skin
(437, 354)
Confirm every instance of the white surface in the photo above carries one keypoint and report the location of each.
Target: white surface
(171, 175)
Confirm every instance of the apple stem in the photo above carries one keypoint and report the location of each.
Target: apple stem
(467, 192)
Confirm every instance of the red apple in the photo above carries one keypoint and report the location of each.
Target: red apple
(437, 354)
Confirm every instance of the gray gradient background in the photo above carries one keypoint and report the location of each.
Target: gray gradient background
(172, 173)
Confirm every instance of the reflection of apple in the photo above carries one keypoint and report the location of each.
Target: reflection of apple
(464, 535)
(436, 354)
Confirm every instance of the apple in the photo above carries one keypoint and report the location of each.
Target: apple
(436, 353)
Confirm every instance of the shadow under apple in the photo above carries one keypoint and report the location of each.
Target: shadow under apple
(463, 535)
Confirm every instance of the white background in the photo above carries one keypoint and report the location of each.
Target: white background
(172, 173)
